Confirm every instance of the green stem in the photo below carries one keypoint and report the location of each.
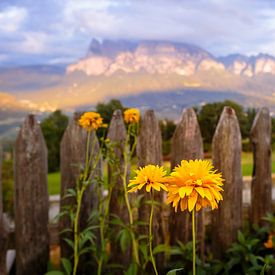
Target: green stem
(126, 198)
(194, 241)
(131, 220)
(99, 269)
(76, 221)
(80, 188)
(86, 168)
(151, 234)
(92, 151)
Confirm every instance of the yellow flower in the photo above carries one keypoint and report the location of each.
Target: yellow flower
(131, 115)
(194, 184)
(152, 176)
(269, 242)
(91, 121)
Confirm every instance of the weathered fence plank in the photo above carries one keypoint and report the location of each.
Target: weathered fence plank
(3, 229)
(226, 150)
(117, 136)
(1, 188)
(31, 200)
(149, 151)
(186, 144)
(261, 187)
(73, 149)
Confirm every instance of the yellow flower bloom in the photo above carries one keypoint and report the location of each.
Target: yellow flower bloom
(152, 176)
(269, 242)
(131, 115)
(91, 121)
(194, 184)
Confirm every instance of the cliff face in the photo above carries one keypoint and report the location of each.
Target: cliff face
(152, 57)
(160, 57)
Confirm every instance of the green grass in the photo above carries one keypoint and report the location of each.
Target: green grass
(247, 166)
(247, 163)
(54, 183)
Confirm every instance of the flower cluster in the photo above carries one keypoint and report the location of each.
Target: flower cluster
(131, 116)
(192, 185)
(91, 121)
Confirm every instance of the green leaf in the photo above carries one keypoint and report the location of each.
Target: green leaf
(241, 237)
(85, 250)
(161, 248)
(263, 269)
(66, 265)
(85, 237)
(70, 193)
(144, 250)
(125, 240)
(69, 242)
(175, 250)
(174, 271)
(132, 270)
(54, 272)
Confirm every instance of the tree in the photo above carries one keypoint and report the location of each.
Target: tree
(209, 114)
(53, 128)
(106, 109)
(167, 128)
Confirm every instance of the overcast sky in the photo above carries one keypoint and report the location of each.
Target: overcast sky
(59, 31)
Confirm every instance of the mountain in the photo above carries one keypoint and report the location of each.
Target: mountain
(166, 76)
(162, 57)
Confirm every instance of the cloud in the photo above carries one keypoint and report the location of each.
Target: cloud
(62, 29)
(12, 18)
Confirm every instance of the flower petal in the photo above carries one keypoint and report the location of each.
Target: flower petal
(208, 194)
(183, 204)
(192, 201)
(200, 190)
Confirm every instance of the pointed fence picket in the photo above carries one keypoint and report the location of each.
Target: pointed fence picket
(226, 151)
(117, 137)
(3, 227)
(186, 145)
(31, 200)
(31, 196)
(73, 151)
(261, 186)
(149, 151)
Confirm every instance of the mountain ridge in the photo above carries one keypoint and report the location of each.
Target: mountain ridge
(108, 57)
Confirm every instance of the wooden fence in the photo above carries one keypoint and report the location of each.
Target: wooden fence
(32, 200)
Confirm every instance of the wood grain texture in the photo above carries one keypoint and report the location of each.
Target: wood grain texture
(117, 136)
(261, 187)
(186, 144)
(226, 150)
(3, 226)
(31, 200)
(149, 151)
(73, 150)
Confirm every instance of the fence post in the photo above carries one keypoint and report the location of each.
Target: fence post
(261, 186)
(3, 227)
(31, 200)
(227, 149)
(186, 144)
(72, 157)
(117, 136)
(149, 151)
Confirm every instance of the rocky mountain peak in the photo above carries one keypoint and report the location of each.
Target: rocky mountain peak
(163, 57)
